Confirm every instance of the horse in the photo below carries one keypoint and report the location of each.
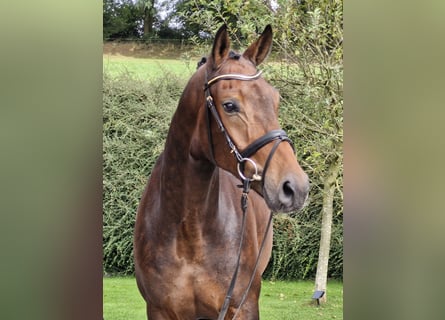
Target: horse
(201, 239)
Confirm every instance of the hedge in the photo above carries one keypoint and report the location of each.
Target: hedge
(136, 117)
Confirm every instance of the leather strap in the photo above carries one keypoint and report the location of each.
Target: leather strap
(262, 141)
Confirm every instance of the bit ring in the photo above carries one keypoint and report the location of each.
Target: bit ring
(255, 176)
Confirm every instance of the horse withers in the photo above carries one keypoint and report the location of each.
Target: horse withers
(199, 252)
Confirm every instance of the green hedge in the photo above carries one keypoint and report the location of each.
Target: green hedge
(136, 117)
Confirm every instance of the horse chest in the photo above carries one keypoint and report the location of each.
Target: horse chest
(189, 287)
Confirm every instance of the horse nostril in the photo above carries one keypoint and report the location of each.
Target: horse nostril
(288, 189)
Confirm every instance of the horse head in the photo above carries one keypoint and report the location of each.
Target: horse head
(242, 111)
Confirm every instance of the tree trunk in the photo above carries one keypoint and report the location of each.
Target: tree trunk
(148, 23)
(321, 277)
(149, 19)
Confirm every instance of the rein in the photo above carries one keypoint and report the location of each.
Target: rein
(242, 157)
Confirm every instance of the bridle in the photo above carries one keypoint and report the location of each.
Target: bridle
(241, 157)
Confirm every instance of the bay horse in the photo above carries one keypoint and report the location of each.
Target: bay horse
(200, 253)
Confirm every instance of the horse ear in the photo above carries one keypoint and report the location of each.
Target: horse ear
(260, 49)
(221, 46)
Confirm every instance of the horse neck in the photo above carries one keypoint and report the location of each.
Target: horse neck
(188, 177)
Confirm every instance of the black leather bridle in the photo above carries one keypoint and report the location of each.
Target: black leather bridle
(241, 157)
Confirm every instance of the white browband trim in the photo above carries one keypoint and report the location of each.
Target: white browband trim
(234, 76)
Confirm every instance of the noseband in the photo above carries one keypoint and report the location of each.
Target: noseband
(242, 156)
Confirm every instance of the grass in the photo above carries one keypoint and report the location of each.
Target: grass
(141, 68)
(286, 300)
(146, 68)
(283, 300)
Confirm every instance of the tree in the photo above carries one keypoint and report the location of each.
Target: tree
(133, 18)
(121, 19)
(201, 18)
(311, 37)
(148, 13)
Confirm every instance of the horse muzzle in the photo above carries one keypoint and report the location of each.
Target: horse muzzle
(289, 194)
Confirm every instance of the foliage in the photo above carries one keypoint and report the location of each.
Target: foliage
(201, 18)
(140, 19)
(136, 115)
(309, 36)
(295, 247)
(278, 300)
(121, 19)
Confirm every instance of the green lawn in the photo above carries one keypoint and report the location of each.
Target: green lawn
(146, 68)
(140, 68)
(279, 300)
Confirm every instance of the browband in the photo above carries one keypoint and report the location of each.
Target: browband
(232, 76)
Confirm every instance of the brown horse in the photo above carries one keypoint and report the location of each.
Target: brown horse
(189, 222)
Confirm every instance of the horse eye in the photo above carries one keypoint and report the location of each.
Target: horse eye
(230, 107)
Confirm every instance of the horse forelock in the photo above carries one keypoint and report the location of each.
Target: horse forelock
(234, 55)
(241, 66)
